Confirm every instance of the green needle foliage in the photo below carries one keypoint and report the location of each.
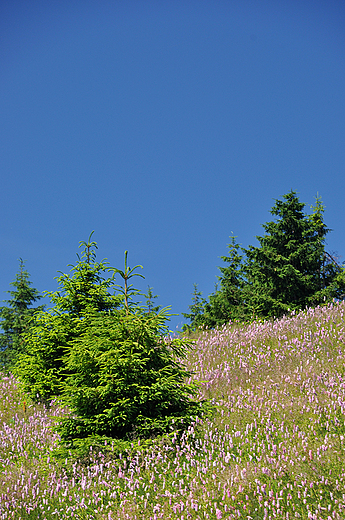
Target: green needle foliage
(150, 307)
(289, 270)
(126, 380)
(230, 299)
(84, 291)
(196, 310)
(127, 290)
(285, 270)
(16, 317)
(110, 360)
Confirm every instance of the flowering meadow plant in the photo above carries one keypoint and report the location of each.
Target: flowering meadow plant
(273, 449)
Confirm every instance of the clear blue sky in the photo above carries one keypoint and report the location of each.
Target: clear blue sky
(164, 126)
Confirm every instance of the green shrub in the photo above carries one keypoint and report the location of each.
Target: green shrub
(111, 361)
(125, 379)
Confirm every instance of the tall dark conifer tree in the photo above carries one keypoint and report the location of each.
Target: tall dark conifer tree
(288, 270)
(16, 317)
(228, 303)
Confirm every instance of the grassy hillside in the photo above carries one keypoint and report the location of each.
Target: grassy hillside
(274, 448)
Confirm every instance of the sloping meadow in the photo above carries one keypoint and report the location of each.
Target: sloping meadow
(274, 447)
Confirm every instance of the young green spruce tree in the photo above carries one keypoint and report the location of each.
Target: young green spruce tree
(86, 290)
(108, 359)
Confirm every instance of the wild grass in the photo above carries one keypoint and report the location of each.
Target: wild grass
(274, 448)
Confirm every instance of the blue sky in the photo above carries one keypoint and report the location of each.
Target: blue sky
(164, 126)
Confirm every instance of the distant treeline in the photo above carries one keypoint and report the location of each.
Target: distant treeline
(290, 270)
